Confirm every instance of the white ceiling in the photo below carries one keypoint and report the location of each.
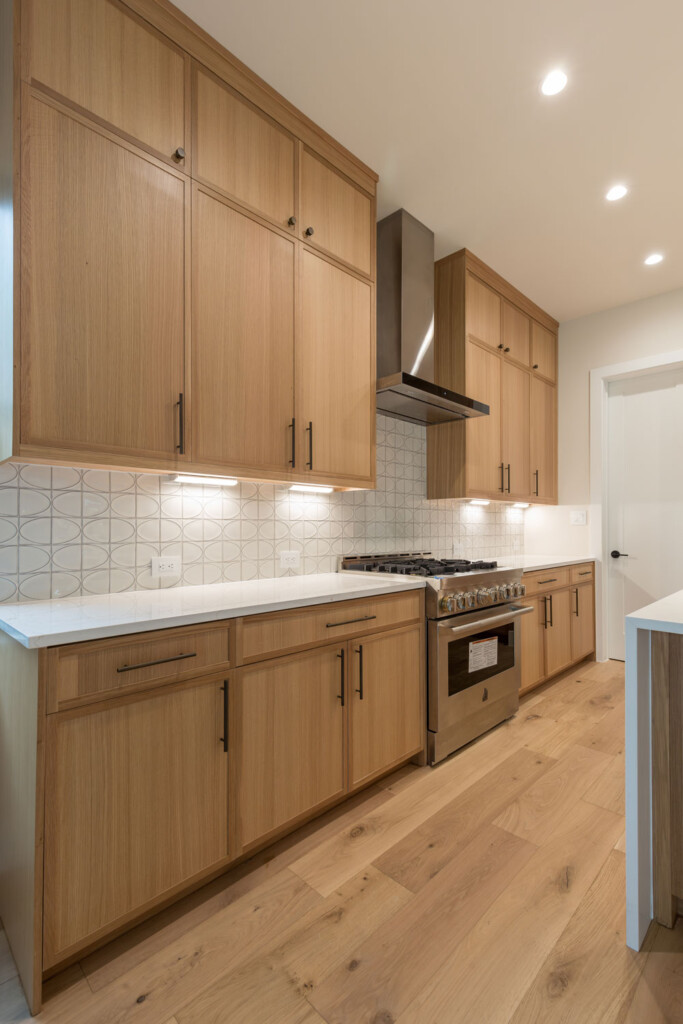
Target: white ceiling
(441, 98)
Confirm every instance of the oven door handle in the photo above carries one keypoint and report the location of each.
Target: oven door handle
(495, 620)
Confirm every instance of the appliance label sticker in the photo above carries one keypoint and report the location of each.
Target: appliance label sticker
(483, 654)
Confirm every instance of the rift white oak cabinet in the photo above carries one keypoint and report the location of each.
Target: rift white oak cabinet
(134, 768)
(194, 260)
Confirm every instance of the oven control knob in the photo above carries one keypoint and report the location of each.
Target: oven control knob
(447, 603)
(520, 589)
(470, 599)
(483, 597)
(495, 593)
(461, 601)
(507, 590)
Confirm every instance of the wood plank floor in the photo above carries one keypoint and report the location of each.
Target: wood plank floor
(487, 890)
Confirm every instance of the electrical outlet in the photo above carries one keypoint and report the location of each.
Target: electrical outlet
(165, 566)
(577, 517)
(290, 559)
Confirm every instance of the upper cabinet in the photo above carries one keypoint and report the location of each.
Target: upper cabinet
(242, 152)
(336, 215)
(197, 260)
(105, 60)
(496, 346)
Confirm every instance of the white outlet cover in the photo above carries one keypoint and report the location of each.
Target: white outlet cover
(165, 566)
(577, 517)
(290, 559)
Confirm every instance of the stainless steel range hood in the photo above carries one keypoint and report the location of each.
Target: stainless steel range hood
(405, 327)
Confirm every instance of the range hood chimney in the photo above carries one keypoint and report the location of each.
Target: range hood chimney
(405, 327)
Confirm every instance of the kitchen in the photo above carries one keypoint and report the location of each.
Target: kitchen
(310, 632)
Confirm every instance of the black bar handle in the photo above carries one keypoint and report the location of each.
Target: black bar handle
(159, 661)
(342, 696)
(181, 423)
(545, 612)
(536, 475)
(347, 622)
(292, 427)
(359, 652)
(576, 610)
(508, 477)
(550, 598)
(309, 431)
(553, 580)
(502, 477)
(225, 692)
(586, 572)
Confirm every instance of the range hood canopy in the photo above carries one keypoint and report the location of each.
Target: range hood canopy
(405, 327)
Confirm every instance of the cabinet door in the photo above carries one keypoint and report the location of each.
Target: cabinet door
(515, 430)
(136, 804)
(290, 753)
(386, 701)
(533, 644)
(543, 351)
(557, 636)
(482, 312)
(242, 151)
(101, 57)
(543, 440)
(335, 372)
(335, 214)
(516, 334)
(242, 339)
(102, 302)
(583, 621)
(483, 382)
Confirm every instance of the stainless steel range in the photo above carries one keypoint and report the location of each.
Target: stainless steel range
(473, 642)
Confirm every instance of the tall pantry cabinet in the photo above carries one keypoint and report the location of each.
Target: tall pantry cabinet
(194, 259)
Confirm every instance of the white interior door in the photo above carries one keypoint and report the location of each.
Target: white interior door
(645, 495)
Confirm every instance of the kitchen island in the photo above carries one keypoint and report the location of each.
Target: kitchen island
(654, 766)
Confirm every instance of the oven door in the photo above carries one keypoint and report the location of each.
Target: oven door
(473, 659)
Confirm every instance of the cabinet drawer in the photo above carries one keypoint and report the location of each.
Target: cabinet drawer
(582, 573)
(546, 579)
(265, 636)
(82, 673)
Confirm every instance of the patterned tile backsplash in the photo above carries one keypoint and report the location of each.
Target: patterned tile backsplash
(65, 532)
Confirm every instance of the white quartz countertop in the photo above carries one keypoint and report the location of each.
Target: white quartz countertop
(73, 619)
(529, 562)
(663, 616)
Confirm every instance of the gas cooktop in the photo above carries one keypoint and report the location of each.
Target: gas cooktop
(415, 564)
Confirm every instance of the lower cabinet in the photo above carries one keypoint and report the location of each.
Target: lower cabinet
(136, 804)
(290, 740)
(385, 703)
(560, 631)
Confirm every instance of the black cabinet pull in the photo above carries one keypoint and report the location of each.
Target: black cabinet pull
(507, 349)
(508, 477)
(535, 366)
(502, 477)
(586, 572)
(545, 612)
(308, 232)
(536, 475)
(159, 661)
(291, 221)
(553, 580)
(341, 696)
(309, 431)
(224, 737)
(292, 427)
(347, 622)
(359, 652)
(501, 345)
(179, 153)
(181, 423)
(550, 598)
(576, 609)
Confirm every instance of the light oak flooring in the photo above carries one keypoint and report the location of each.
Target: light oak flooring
(488, 890)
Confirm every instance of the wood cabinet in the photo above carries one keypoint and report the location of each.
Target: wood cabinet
(560, 630)
(582, 621)
(103, 292)
(386, 703)
(136, 805)
(241, 151)
(486, 333)
(110, 63)
(335, 384)
(197, 260)
(336, 215)
(242, 339)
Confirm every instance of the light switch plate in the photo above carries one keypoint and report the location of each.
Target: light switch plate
(577, 517)
(165, 566)
(290, 559)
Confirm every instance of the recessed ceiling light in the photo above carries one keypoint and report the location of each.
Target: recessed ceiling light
(479, 501)
(204, 481)
(311, 489)
(655, 257)
(616, 192)
(553, 82)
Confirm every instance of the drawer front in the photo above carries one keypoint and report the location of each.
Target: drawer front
(266, 636)
(87, 672)
(583, 573)
(546, 579)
